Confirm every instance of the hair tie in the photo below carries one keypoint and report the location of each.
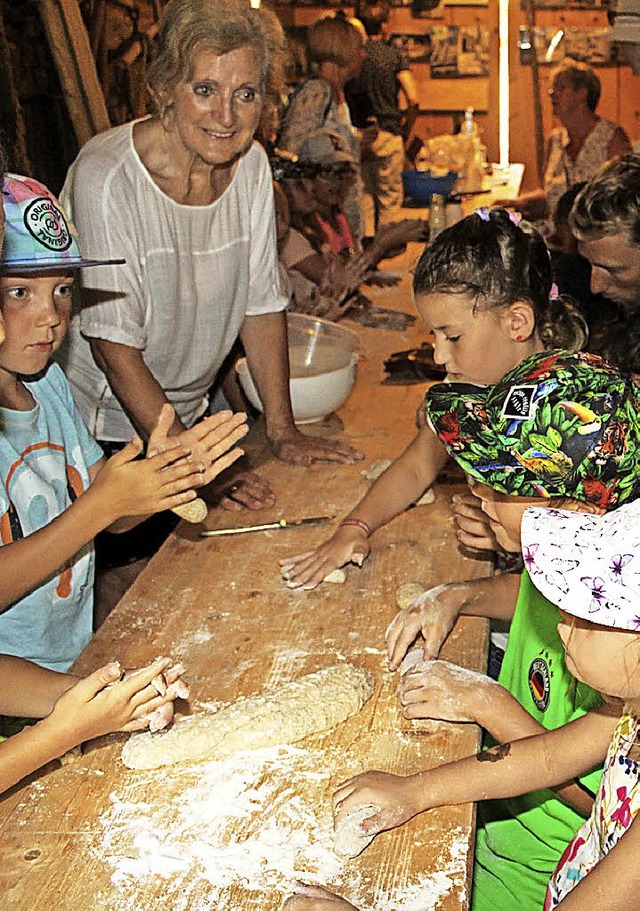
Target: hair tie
(515, 217)
(554, 293)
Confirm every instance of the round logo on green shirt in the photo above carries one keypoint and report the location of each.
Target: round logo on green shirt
(539, 683)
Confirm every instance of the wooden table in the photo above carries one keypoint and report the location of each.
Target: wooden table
(95, 835)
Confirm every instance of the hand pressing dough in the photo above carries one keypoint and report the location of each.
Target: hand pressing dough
(348, 839)
(287, 714)
(408, 592)
(193, 511)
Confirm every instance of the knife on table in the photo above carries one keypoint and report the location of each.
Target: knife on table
(267, 526)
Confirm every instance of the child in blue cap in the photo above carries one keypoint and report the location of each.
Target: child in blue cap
(56, 488)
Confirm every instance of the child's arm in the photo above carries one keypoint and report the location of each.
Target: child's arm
(83, 709)
(24, 564)
(451, 693)
(435, 612)
(401, 484)
(614, 882)
(121, 486)
(503, 771)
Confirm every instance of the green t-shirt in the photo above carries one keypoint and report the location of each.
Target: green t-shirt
(519, 841)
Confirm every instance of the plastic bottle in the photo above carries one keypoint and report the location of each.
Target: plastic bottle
(474, 154)
(437, 215)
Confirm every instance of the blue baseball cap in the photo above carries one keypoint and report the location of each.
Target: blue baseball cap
(38, 235)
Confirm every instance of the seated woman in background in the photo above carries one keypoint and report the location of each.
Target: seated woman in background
(579, 147)
(336, 47)
(323, 263)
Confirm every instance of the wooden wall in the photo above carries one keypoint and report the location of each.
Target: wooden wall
(442, 98)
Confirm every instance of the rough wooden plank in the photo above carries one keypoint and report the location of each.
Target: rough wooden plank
(69, 44)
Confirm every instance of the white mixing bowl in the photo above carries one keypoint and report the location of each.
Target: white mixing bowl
(323, 367)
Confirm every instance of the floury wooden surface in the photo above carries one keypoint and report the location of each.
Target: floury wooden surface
(219, 605)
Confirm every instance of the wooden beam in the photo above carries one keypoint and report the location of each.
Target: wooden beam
(71, 52)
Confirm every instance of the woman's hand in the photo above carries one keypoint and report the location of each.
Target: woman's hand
(471, 523)
(105, 702)
(397, 796)
(445, 691)
(433, 614)
(210, 442)
(243, 490)
(348, 544)
(316, 898)
(298, 449)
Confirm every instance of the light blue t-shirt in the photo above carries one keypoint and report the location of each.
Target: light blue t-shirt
(45, 455)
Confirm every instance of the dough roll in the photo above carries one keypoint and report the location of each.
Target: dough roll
(289, 713)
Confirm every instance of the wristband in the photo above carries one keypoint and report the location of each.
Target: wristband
(358, 523)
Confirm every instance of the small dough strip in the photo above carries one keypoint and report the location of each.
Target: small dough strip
(289, 713)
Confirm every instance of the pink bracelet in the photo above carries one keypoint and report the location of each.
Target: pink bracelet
(358, 523)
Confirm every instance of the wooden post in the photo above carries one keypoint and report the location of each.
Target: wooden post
(71, 52)
(530, 16)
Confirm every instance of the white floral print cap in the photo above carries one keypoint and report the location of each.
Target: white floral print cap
(588, 565)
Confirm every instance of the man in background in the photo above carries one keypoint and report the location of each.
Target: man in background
(375, 99)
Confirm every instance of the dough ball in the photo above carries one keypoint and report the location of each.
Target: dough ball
(337, 577)
(408, 592)
(373, 471)
(412, 661)
(427, 497)
(348, 840)
(194, 511)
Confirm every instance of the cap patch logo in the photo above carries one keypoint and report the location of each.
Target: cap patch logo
(44, 220)
(519, 404)
(539, 685)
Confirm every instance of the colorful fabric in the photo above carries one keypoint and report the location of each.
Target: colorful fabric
(600, 562)
(614, 809)
(45, 456)
(520, 840)
(38, 236)
(558, 424)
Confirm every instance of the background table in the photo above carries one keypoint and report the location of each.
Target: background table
(219, 605)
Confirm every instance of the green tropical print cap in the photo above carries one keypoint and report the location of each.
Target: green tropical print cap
(559, 424)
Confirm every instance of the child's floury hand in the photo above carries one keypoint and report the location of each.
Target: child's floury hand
(139, 487)
(103, 702)
(316, 898)
(211, 442)
(347, 545)
(397, 796)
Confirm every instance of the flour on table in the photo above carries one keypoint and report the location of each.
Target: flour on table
(240, 832)
(291, 712)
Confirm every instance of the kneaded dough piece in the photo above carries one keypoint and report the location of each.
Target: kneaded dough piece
(338, 577)
(373, 471)
(408, 592)
(348, 840)
(413, 661)
(427, 497)
(287, 714)
(193, 511)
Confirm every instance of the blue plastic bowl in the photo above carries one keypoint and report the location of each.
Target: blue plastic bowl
(421, 186)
